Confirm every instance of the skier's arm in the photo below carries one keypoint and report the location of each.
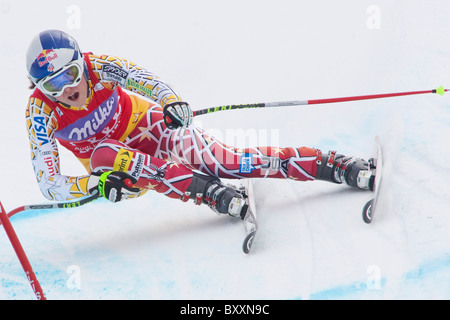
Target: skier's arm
(41, 126)
(134, 78)
(143, 82)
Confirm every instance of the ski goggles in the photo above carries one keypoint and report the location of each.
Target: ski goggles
(69, 76)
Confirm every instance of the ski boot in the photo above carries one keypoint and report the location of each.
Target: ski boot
(337, 168)
(220, 198)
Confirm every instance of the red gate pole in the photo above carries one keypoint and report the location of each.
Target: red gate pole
(31, 276)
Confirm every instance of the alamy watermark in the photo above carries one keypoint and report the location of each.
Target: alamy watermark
(373, 21)
(74, 17)
(374, 279)
(74, 280)
(5, 7)
(242, 147)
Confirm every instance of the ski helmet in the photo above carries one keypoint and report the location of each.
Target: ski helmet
(50, 51)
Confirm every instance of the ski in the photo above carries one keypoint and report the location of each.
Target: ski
(250, 219)
(376, 165)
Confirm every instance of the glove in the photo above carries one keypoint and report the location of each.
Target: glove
(177, 114)
(113, 185)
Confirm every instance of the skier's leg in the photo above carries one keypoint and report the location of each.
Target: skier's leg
(170, 178)
(197, 149)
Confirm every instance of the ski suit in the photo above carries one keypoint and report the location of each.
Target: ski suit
(121, 128)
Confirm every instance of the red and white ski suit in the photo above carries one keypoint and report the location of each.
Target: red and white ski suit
(121, 131)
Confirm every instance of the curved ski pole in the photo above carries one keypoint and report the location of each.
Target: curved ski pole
(58, 205)
(439, 91)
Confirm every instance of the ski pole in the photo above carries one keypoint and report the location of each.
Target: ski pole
(20, 252)
(58, 205)
(439, 91)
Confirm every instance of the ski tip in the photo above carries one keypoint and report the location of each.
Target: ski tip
(367, 213)
(248, 242)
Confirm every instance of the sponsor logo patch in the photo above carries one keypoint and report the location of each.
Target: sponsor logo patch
(123, 160)
(40, 128)
(246, 163)
(114, 73)
(138, 165)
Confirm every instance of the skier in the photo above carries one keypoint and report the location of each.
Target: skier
(144, 140)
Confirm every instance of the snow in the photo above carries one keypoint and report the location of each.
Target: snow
(312, 242)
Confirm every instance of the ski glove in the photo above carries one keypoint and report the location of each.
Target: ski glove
(177, 114)
(113, 185)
